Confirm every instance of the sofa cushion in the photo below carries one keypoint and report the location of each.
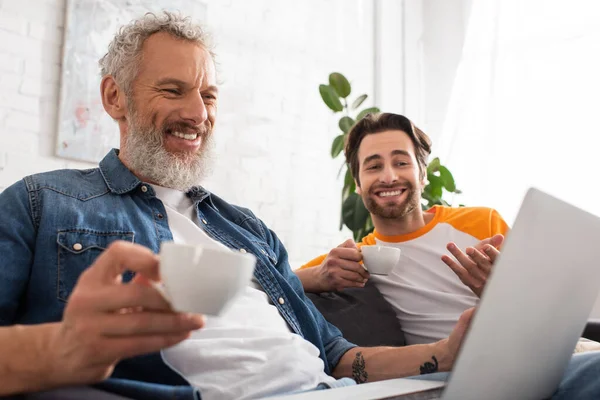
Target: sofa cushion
(362, 314)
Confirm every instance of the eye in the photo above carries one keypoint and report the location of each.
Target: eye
(373, 167)
(172, 91)
(401, 163)
(209, 96)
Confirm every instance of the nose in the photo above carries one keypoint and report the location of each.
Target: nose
(388, 175)
(194, 110)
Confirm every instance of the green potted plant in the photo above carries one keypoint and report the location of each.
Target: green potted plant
(355, 216)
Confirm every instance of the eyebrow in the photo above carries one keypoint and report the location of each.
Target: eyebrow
(171, 81)
(394, 153)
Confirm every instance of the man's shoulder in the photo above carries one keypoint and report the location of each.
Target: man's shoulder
(237, 211)
(78, 183)
(446, 212)
(481, 222)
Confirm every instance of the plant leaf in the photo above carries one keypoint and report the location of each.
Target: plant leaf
(434, 188)
(348, 208)
(434, 165)
(330, 98)
(366, 111)
(447, 179)
(341, 168)
(354, 212)
(345, 124)
(337, 146)
(349, 184)
(361, 214)
(359, 100)
(340, 84)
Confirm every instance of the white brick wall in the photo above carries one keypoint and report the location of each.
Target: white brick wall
(273, 133)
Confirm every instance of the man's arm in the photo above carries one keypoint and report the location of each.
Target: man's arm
(368, 364)
(25, 363)
(105, 321)
(309, 278)
(17, 241)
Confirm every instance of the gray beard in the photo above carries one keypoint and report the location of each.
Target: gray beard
(147, 157)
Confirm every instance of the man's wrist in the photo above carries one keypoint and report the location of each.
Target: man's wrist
(443, 356)
(30, 365)
(310, 279)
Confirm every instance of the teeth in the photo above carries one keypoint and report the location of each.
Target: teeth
(190, 136)
(390, 193)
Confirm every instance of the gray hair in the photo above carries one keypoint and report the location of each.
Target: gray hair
(124, 52)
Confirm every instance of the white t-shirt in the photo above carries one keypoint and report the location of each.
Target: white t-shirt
(426, 294)
(247, 352)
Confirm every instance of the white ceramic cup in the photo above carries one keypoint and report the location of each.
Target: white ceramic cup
(379, 260)
(203, 280)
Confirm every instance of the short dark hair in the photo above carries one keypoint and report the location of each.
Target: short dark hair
(381, 122)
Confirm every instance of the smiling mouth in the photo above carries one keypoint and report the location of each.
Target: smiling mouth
(390, 193)
(181, 135)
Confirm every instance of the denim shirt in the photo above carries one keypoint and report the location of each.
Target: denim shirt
(55, 224)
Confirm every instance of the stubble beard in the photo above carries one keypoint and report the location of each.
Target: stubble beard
(393, 211)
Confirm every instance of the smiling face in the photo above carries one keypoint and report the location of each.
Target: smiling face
(390, 185)
(166, 131)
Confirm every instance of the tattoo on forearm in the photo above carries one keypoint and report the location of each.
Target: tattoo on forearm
(359, 373)
(429, 368)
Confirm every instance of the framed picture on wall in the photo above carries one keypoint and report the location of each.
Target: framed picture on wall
(85, 131)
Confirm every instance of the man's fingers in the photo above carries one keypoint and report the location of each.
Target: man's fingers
(116, 297)
(482, 261)
(116, 259)
(350, 275)
(354, 267)
(148, 323)
(491, 252)
(350, 244)
(459, 270)
(346, 283)
(464, 275)
(465, 321)
(497, 240)
(346, 253)
(466, 262)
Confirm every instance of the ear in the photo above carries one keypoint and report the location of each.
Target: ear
(113, 98)
(358, 190)
(422, 177)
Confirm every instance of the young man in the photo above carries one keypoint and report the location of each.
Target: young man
(68, 317)
(387, 156)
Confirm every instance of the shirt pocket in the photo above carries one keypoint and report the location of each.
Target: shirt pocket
(77, 250)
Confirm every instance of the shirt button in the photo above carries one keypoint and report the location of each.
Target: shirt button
(144, 189)
(243, 251)
(159, 216)
(204, 221)
(281, 301)
(77, 246)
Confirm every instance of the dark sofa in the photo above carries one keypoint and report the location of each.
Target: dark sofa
(365, 318)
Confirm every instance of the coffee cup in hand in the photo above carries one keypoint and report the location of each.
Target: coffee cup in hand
(379, 260)
(203, 280)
